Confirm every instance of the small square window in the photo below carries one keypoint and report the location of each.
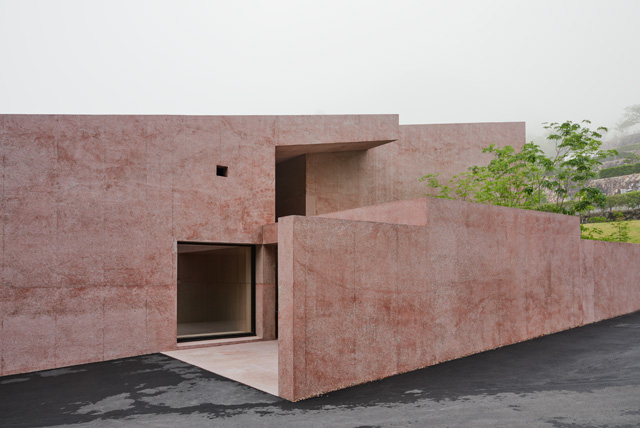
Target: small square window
(221, 171)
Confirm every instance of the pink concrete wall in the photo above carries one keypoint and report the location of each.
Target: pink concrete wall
(411, 212)
(327, 129)
(92, 207)
(266, 292)
(297, 135)
(363, 300)
(341, 181)
(611, 279)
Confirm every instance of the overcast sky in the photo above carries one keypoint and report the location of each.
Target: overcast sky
(429, 61)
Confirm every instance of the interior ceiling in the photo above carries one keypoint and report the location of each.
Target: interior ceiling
(284, 153)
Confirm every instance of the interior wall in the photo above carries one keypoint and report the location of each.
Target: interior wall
(473, 278)
(291, 187)
(215, 286)
(335, 181)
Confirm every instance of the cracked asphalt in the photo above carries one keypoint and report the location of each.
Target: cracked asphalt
(585, 377)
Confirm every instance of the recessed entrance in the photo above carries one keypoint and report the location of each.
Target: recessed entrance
(216, 291)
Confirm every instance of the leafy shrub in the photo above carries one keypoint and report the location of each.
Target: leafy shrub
(629, 199)
(618, 171)
(598, 220)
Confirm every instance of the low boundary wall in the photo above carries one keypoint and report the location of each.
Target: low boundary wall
(359, 300)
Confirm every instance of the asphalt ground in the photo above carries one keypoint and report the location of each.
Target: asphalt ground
(585, 377)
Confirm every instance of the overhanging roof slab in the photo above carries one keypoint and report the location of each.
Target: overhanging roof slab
(298, 135)
(284, 153)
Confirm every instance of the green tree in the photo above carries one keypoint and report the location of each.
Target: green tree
(631, 158)
(532, 180)
(613, 201)
(632, 199)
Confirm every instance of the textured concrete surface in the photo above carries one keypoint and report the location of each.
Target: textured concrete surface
(341, 181)
(91, 208)
(412, 212)
(587, 377)
(474, 277)
(297, 135)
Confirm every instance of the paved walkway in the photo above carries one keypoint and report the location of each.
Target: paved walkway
(254, 364)
(587, 377)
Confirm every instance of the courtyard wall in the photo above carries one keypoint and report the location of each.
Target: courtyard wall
(361, 300)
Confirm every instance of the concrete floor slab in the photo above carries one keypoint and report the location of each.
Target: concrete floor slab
(254, 364)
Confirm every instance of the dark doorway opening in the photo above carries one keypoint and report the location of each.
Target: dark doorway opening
(216, 291)
(291, 192)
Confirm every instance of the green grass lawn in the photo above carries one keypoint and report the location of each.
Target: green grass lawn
(608, 229)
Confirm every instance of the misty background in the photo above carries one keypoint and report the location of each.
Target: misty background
(429, 61)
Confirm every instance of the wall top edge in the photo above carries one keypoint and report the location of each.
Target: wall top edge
(390, 116)
(519, 122)
(444, 201)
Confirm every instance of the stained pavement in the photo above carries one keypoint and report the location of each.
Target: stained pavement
(586, 377)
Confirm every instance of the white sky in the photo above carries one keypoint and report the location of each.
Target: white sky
(429, 61)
